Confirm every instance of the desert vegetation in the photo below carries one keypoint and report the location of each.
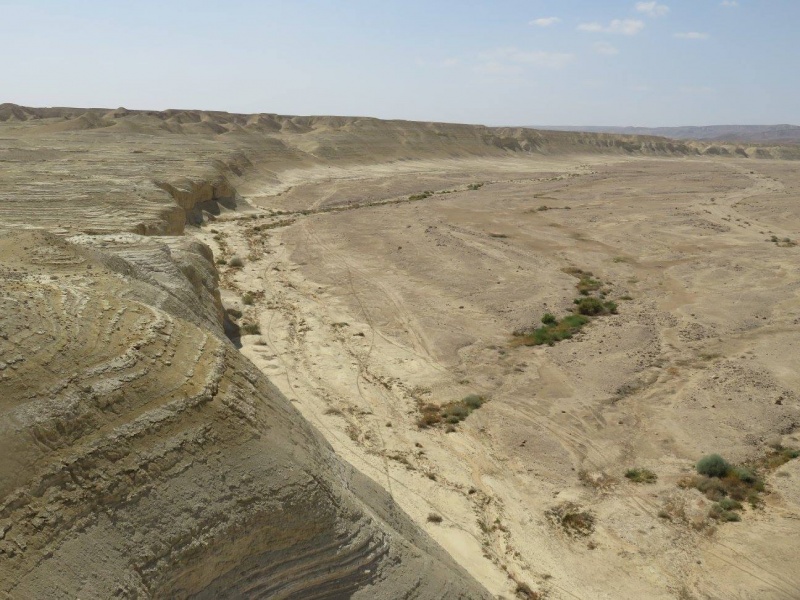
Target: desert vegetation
(250, 329)
(552, 330)
(572, 518)
(587, 306)
(785, 242)
(420, 196)
(451, 414)
(728, 485)
(641, 475)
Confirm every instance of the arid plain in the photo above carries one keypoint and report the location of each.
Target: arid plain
(377, 272)
(369, 312)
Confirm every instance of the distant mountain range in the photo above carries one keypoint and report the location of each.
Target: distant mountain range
(788, 134)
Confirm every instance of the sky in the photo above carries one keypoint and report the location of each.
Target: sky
(504, 62)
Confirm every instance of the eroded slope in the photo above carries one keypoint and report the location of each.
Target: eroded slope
(145, 457)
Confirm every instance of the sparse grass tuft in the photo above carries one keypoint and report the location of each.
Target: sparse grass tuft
(421, 196)
(641, 475)
(474, 186)
(434, 518)
(780, 456)
(591, 306)
(248, 298)
(236, 262)
(730, 504)
(572, 519)
(718, 512)
(588, 284)
(450, 414)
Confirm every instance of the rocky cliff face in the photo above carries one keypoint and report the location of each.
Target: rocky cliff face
(145, 457)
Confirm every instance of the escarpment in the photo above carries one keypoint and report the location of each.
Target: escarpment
(145, 457)
(149, 172)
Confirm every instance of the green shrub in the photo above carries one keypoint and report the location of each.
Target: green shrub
(554, 332)
(248, 298)
(251, 329)
(590, 306)
(449, 414)
(575, 320)
(745, 474)
(640, 475)
(473, 401)
(713, 465)
(717, 511)
(422, 196)
(730, 504)
(728, 486)
(236, 262)
(455, 411)
(549, 319)
(588, 284)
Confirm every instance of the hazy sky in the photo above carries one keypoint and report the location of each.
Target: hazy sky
(506, 62)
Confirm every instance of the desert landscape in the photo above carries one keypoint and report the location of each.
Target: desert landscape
(321, 357)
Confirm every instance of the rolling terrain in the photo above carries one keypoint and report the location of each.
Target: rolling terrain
(764, 134)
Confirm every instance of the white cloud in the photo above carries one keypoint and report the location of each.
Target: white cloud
(652, 9)
(545, 21)
(621, 26)
(605, 48)
(692, 35)
(729, 3)
(514, 56)
(448, 63)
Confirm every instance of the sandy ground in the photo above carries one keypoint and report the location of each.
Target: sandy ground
(370, 304)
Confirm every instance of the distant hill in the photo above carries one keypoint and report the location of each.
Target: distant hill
(787, 134)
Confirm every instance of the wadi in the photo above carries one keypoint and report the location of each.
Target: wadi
(265, 356)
